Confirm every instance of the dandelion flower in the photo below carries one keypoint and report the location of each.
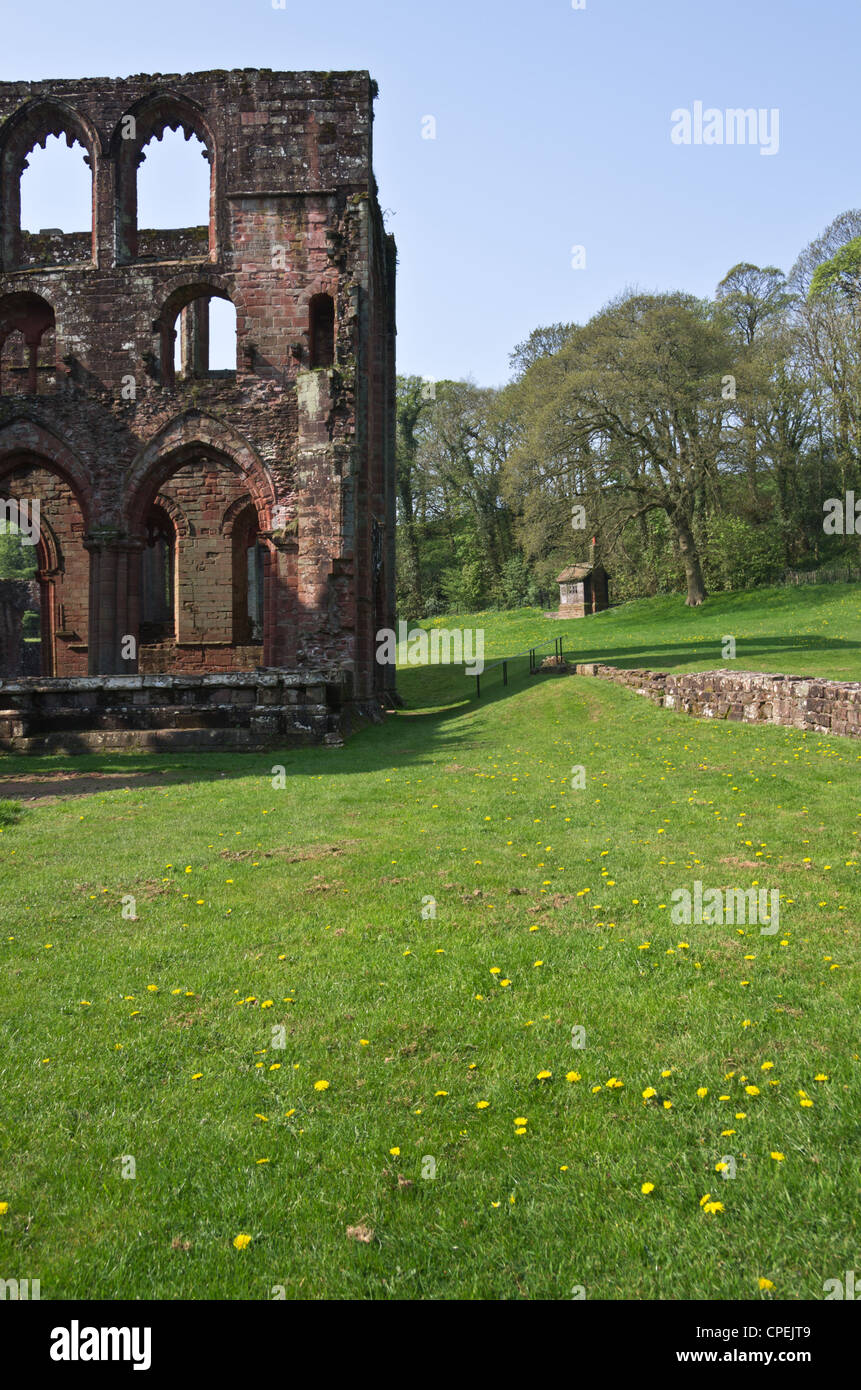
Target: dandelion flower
(242, 1241)
(646, 1188)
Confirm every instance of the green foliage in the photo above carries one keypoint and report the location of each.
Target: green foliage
(841, 273)
(517, 587)
(17, 560)
(740, 555)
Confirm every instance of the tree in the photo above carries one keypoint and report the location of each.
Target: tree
(630, 415)
(411, 400)
(542, 342)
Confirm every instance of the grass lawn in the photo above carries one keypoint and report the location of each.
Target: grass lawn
(488, 1156)
(804, 630)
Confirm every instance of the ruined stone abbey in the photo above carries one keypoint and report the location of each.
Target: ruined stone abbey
(215, 549)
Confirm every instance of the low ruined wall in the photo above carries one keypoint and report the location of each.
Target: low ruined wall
(799, 702)
(252, 709)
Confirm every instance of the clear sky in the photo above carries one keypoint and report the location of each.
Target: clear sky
(553, 130)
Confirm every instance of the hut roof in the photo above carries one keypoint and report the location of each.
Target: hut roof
(577, 572)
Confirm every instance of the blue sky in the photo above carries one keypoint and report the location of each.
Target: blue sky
(552, 131)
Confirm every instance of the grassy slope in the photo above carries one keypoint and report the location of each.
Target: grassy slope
(469, 804)
(814, 629)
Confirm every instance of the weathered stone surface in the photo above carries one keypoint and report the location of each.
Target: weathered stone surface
(292, 452)
(819, 706)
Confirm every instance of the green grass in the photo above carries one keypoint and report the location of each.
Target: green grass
(313, 894)
(804, 630)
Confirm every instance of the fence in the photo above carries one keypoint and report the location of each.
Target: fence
(841, 574)
(505, 662)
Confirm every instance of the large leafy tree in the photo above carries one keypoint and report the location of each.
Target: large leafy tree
(630, 416)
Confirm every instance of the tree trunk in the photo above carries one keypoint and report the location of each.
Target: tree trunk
(691, 560)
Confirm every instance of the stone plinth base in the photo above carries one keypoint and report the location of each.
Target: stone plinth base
(240, 710)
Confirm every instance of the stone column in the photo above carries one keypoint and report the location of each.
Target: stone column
(115, 576)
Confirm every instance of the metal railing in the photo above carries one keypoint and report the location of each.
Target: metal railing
(534, 665)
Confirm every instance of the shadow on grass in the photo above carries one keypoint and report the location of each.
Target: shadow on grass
(435, 698)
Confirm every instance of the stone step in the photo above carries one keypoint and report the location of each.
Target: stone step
(155, 741)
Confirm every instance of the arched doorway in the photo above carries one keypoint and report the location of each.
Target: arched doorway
(203, 566)
(48, 531)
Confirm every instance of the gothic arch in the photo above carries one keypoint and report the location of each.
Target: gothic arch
(32, 317)
(43, 469)
(171, 508)
(234, 514)
(27, 127)
(26, 441)
(185, 438)
(151, 117)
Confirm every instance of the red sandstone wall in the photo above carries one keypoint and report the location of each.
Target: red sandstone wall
(820, 706)
(293, 214)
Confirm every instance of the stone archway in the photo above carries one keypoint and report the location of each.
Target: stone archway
(224, 495)
(44, 510)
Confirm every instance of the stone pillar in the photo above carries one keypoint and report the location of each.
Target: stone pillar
(115, 576)
(279, 599)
